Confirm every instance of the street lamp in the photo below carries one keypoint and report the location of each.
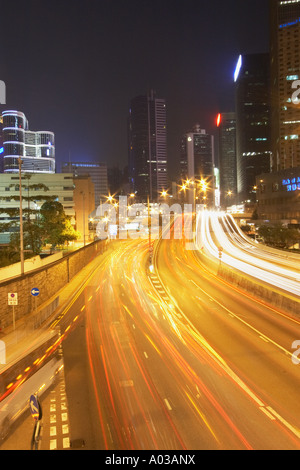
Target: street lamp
(83, 215)
(191, 184)
(21, 219)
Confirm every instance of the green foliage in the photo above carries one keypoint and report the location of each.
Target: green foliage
(56, 226)
(279, 236)
(246, 228)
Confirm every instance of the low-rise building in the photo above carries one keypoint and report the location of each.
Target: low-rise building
(278, 196)
(59, 185)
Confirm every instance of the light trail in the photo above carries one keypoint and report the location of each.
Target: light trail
(211, 237)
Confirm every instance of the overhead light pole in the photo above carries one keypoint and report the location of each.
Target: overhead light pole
(21, 219)
(83, 215)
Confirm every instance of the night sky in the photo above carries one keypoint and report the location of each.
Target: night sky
(73, 66)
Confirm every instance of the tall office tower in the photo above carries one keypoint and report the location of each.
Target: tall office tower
(197, 160)
(147, 135)
(226, 123)
(253, 139)
(285, 72)
(36, 149)
(97, 173)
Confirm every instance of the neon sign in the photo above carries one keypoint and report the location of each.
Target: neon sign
(238, 68)
(291, 23)
(292, 184)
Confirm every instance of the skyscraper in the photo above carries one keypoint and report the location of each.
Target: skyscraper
(97, 172)
(147, 135)
(226, 123)
(252, 77)
(197, 159)
(285, 72)
(36, 149)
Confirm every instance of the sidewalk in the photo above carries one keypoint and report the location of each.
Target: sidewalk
(18, 340)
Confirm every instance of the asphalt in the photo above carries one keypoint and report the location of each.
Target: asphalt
(16, 341)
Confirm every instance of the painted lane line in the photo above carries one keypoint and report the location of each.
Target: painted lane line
(168, 404)
(264, 410)
(264, 339)
(284, 422)
(260, 334)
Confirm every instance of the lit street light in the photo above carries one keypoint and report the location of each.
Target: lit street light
(21, 219)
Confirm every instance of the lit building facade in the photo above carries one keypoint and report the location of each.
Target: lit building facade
(197, 159)
(147, 141)
(253, 128)
(97, 173)
(60, 186)
(84, 201)
(226, 123)
(285, 80)
(278, 196)
(36, 149)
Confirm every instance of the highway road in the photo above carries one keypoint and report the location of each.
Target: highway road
(178, 359)
(174, 358)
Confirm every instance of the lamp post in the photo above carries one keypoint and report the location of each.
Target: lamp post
(149, 234)
(21, 219)
(83, 215)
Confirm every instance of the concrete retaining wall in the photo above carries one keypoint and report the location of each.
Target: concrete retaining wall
(49, 280)
(265, 292)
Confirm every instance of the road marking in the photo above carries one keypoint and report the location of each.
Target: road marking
(153, 344)
(58, 428)
(263, 409)
(264, 338)
(202, 416)
(168, 404)
(126, 383)
(260, 334)
(283, 421)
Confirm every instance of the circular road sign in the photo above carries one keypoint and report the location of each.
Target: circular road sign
(35, 292)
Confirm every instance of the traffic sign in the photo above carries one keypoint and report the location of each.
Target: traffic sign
(12, 298)
(35, 292)
(35, 409)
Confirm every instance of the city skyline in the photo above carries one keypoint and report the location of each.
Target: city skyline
(86, 71)
(150, 286)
